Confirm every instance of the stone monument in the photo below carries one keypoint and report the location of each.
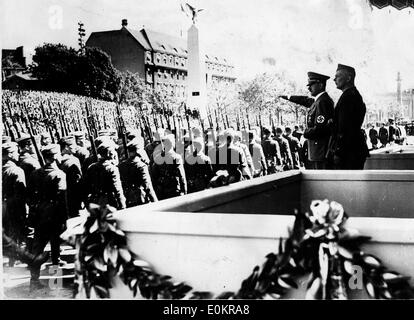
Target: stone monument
(196, 76)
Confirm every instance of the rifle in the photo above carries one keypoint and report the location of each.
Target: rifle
(45, 117)
(122, 129)
(248, 121)
(227, 120)
(12, 118)
(30, 130)
(224, 122)
(90, 122)
(244, 124)
(261, 126)
(217, 122)
(273, 127)
(238, 122)
(9, 131)
(189, 128)
(66, 131)
(93, 147)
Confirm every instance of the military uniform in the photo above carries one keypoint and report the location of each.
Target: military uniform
(103, 182)
(50, 211)
(295, 147)
(318, 131)
(285, 152)
(198, 169)
(272, 153)
(258, 157)
(72, 168)
(14, 196)
(168, 172)
(136, 179)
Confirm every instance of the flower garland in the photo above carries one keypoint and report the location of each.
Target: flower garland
(318, 245)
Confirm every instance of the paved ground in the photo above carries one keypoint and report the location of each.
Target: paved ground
(58, 282)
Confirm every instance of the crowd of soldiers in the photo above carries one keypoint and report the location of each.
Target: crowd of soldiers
(46, 183)
(142, 161)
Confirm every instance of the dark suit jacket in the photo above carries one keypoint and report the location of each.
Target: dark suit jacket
(318, 130)
(349, 116)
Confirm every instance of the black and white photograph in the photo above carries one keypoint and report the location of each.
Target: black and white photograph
(214, 150)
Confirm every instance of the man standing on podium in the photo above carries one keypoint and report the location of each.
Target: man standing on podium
(320, 114)
(349, 146)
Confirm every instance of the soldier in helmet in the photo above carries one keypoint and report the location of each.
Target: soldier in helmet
(102, 181)
(49, 217)
(198, 168)
(72, 168)
(168, 170)
(135, 177)
(14, 194)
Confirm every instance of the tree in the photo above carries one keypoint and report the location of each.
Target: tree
(55, 64)
(63, 69)
(96, 76)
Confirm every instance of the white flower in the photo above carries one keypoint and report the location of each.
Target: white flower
(336, 213)
(320, 210)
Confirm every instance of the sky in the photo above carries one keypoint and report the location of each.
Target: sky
(256, 36)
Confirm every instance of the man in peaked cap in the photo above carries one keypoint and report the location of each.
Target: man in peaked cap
(348, 144)
(48, 192)
(321, 110)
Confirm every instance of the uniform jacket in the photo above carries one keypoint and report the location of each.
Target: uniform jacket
(318, 131)
(48, 192)
(75, 187)
(103, 184)
(28, 163)
(168, 174)
(285, 151)
(349, 116)
(14, 194)
(136, 182)
(199, 171)
(271, 152)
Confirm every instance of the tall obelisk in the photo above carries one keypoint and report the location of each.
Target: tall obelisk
(196, 73)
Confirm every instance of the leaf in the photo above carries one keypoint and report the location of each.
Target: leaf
(345, 253)
(349, 267)
(372, 261)
(370, 289)
(99, 264)
(286, 283)
(94, 227)
(313, 291)
(141, 263)
(386, 294)
(393, 277)
(124, 254)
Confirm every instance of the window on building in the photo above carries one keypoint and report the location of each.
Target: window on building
(148, 57)
(171, 60)
(165, 59)
(158, 57)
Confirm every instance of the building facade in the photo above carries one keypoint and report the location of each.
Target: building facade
(159, 58)
(12, 62)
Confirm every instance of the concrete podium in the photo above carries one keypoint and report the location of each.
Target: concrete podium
(392, 158)
(213, 239)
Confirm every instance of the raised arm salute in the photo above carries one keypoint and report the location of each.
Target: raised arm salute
(321, 110)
